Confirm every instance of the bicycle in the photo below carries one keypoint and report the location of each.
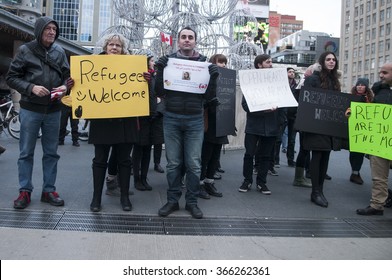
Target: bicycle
(9, 118)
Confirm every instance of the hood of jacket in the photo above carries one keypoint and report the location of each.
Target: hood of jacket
(40, 25)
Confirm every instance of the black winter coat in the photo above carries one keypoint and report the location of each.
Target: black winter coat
(263, 123)
(319, 142)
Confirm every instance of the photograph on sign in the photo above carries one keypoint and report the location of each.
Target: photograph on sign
(186, 76)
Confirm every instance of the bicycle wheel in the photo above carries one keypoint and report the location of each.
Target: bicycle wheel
(14, 127)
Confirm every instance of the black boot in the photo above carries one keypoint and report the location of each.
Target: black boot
(317, 197)
(98, 181)
(211, 190)
(124, 178)
(146, 185)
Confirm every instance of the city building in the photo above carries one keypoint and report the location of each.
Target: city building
(302, 48)
(281, 26)
(365, 39)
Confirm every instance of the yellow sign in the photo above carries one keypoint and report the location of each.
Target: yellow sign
(370, 129)
(109, 86)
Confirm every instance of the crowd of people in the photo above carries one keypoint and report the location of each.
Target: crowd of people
(185, 122)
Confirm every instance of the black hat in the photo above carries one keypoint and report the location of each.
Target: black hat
(362, 81)
(290, 68)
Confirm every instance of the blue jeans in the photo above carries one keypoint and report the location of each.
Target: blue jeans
(30, 124)
(183, 143)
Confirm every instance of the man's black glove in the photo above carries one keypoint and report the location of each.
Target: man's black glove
(162, 62)
(213, 102)
(213, 69)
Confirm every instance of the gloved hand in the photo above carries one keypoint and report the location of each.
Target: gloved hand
(162, 62)
(213, 69)
(147, 76)
(213, 102)
(70, 83)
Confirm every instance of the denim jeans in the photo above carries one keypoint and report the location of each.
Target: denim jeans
(183, 143)
(30, 124)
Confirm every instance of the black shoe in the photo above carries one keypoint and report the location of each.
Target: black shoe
(126, 203)
(291, 163)
(194, 210)
(202, 193)
(61, 142)
(220, 170)
(76, 143)
(245, 186)
(53, 198)
(139, 186)
(327, 177)
(369, 211)
(146, 185)
(95, 206)
(356, 178)
(217, 176)
(168, 208)
(263, 189)
(307, 174)
(211, 190)
(158, 168)
(2, 149)
(317, 199)
(23, 200)
(273, 172)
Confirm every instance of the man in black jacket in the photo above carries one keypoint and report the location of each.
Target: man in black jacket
(39, 73)
(380, 166)
(184, 128)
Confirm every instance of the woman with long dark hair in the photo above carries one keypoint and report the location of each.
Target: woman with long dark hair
(321, 145)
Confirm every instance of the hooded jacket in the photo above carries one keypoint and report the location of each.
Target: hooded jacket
(28, 69)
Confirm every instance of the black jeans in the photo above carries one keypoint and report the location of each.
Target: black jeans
(260, 147)
(319, 167)
(210, 155)
(356, 160)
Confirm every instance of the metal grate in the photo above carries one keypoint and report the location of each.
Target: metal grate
(123, 223)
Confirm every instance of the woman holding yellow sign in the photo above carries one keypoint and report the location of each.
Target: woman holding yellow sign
(120, 133)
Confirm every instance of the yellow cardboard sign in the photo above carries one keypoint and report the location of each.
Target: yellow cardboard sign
(370, 129)
(109, 86)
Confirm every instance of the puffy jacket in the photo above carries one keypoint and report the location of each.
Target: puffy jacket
(184, 103)
(28, 70)
(382, 93)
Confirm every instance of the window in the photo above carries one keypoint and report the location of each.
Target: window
(373, 48)
(387, 45)
(360, 52)
(388, 13)
(374, 18)
(345, 68)
(354, 67)
(355, 41)
(374, 33)
(347, 29)
(373, 63)
(382, 15)
(381, 47)
(371, 78)
(388, 29)
(361, 9)
(375, 4)
(355, 52)
(347, 15)
(361, 23)
(345, 55)
(356, 25)
(381, 60)
(367, 35)
(387, 59)
(367, 50)
(360, 66)
(382, 31)
(368, 6)
(367, 20)
(360, 38)
(356, 12)
(366, 64)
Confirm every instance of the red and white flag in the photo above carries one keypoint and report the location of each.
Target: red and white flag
(166, 38)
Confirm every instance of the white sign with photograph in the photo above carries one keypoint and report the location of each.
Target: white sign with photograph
(186, 75)
(265, 89)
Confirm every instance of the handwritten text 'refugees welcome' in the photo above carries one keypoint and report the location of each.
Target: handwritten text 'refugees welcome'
(109, 92)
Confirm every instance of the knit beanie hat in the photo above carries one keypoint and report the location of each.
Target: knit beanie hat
(362, 81)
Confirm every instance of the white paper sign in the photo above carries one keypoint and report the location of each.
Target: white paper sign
(265, 89)
(186, 75)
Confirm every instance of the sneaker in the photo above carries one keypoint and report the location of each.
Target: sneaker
(277, 165)
(116, 192)
(263, 189)
(202, 193)
(245, 186)
(284, 150)
(23, 200)
(112, 183)
(273, 172)
(52, 198)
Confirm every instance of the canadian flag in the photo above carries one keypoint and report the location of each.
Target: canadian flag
(166, 38)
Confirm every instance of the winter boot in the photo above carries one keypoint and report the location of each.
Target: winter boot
(299, 179)
(124, 178)
(317, 196)
(98, 181)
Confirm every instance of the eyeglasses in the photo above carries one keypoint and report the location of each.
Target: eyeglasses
(112, 45)
(329, 59)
